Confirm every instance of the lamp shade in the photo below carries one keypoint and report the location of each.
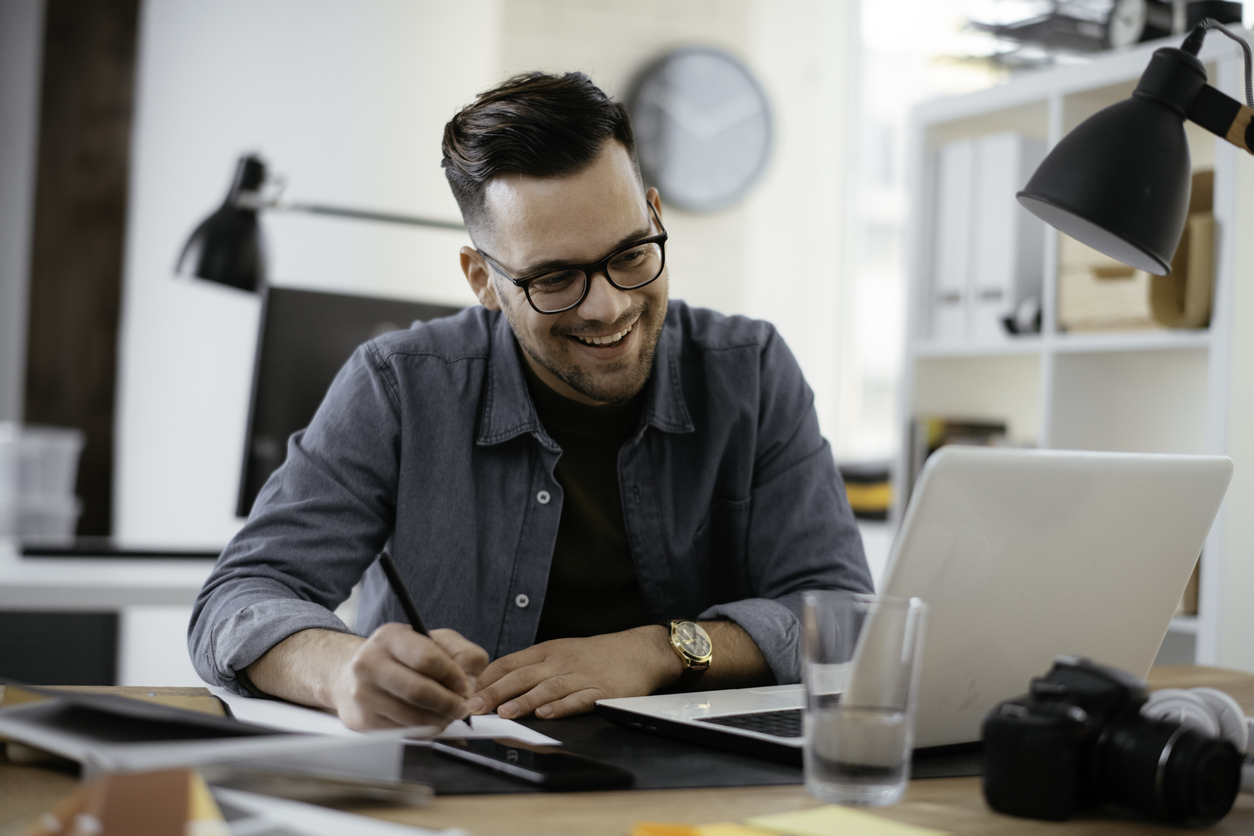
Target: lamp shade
(1119, 183)
(226, 247)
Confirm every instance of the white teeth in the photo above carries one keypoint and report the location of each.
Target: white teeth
(612, 338)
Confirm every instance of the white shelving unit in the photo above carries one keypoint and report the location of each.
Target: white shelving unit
(1148, 391)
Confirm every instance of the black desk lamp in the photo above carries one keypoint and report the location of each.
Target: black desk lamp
(1120, 181)
(226, 247)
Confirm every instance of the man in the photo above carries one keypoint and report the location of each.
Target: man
(558, 473)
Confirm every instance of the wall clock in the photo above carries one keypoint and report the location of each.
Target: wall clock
(703, 128)
(1133, 21)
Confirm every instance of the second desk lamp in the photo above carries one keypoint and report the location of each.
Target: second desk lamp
(226, 247)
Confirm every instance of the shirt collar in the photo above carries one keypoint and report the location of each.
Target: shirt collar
(508, 411)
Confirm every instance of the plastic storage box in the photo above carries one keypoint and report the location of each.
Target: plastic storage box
(38, 470)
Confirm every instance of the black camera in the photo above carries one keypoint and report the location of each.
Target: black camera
(1078, 741)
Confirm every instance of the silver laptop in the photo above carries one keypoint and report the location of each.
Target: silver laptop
(1023, 555)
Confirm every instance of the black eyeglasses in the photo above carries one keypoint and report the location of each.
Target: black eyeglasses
(560, 289)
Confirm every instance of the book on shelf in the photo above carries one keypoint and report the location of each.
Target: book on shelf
(989, 251)
(869, 487)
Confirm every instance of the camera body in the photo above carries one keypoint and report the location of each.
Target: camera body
(1077, 741)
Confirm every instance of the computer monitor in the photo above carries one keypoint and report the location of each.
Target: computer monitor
(306, 337)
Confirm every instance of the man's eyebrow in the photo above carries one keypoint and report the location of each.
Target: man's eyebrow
(552, 264)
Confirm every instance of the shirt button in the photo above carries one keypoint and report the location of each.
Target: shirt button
(521, 601)
(543, 498)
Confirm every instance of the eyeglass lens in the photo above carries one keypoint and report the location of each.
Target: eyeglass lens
(628, 269)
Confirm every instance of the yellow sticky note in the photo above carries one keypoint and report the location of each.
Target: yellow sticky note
(834, 820)
(650, 828)
(731, 829)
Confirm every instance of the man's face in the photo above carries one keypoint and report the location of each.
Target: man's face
(577, 220)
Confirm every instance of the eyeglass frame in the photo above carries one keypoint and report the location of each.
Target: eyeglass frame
(588, 270)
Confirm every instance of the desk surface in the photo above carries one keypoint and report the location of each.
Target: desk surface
(953, 804)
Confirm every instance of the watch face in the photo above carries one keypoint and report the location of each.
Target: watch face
(702, 126)
(1127, 22)
(692, 639)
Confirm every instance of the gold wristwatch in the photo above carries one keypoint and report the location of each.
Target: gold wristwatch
(692, 645)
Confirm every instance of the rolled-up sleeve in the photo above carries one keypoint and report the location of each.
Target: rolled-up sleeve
(316, 526)
(801, 533)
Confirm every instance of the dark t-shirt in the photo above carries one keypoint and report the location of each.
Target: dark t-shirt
(592, 585)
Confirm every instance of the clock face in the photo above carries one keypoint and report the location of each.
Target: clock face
(1127, 22)
(703, 128)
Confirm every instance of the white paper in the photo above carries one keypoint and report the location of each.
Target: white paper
(277, 714)
(265, 814)
(491, 726)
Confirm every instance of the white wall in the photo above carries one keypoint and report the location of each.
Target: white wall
(21, 39)
(349, 99)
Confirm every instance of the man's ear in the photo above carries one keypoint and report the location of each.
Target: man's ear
(655, 199)
(479, 275)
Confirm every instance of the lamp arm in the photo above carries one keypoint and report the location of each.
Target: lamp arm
(1193, 45)
(362, 214)
(1224, 116)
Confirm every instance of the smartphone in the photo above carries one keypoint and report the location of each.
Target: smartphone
(546, 766)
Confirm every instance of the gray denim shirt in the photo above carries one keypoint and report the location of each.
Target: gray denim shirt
(428, 444)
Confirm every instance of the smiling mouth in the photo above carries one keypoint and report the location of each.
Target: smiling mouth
(608, 341)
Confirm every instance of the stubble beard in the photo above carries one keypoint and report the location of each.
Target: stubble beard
(620, 381)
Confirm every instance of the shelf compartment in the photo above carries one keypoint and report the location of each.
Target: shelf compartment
(1004, 387)
(1131, 401)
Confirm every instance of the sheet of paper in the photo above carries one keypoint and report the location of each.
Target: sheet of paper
(284, 715)
(248, 812)
(834, 820)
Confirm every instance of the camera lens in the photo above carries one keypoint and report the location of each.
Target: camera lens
(1164, 770)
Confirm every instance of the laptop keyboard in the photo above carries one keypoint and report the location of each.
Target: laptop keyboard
(786, 723)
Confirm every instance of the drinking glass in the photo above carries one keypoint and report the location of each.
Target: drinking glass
(861, 661)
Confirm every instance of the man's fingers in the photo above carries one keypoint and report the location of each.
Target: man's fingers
(546, 691)
(469, 656)
(508, 687)
(424, 655)
(575, 703)
(382, 710)
(421, 692)
(508, 664)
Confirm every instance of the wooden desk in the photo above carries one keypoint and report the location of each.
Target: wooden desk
(953, 804)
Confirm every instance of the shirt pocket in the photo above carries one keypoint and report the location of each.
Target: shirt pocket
(719, 550)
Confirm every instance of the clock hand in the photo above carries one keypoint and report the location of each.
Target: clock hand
(704, 125)
(732, 112)
(683, 113)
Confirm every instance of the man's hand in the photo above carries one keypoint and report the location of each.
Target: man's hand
(397, 677)
(567, 676)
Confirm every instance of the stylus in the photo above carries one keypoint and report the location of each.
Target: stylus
(407, 602)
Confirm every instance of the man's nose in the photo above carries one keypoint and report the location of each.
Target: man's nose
(604, 302)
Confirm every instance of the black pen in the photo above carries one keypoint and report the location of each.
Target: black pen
(407, 602)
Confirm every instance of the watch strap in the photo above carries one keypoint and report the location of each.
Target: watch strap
(688, 678)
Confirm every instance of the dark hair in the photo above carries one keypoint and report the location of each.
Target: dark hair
(535, 124)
